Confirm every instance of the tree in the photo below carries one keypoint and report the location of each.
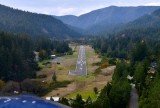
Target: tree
(103, 100)
(88, 103)
(95, 90)
(120, 94)
(78, 102)
(121, 71)
(54, 77)
(140, 52)
(64, 101)
(31, 86)
(2, 83)
(139, 74)
(42, 54)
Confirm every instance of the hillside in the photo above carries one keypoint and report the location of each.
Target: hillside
(147, 21)
(16, 21)
(98, 20)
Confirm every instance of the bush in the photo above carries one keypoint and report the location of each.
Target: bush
(10, 87)
(95, 90)
(2, 83)
(112, 61)
(120, 94)
(54, 77)
(42, 76)
(33, 86)
(104, 65)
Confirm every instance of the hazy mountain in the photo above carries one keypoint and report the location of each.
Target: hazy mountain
(98, 20)
(16, 21)
(146, 21)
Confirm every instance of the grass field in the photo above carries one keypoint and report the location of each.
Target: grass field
(80, 84)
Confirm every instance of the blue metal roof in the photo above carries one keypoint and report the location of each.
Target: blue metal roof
(28, 101)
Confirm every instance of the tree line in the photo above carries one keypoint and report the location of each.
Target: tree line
(17, 54)
(136, 52)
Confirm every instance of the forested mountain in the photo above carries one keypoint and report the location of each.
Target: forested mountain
(146, 21)
(16, 21)
(101, 19)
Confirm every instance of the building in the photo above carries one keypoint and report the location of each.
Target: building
(53, 56)
(36, 56)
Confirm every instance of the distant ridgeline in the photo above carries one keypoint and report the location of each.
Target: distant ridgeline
(106, 20)
(16, 21)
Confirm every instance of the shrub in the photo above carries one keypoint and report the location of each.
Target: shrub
(42, 76)
(10, 87)
(2, 83)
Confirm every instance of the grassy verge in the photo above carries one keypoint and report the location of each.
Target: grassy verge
(83, 78)
(42, 64)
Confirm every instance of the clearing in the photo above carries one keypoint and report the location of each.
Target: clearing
(80, 84)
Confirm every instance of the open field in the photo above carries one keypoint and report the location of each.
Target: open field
(80, 84)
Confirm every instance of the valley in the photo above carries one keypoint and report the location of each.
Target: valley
(102, 58)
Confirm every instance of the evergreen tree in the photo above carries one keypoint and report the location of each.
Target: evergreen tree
(54, 77)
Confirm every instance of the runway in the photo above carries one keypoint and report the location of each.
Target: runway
(81, 63)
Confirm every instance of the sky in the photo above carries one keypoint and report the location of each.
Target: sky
(72, 7)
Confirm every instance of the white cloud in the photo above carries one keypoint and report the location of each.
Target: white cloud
(59, 11)
(73, 7)
(153, 4)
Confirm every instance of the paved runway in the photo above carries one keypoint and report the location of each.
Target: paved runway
(81, 63)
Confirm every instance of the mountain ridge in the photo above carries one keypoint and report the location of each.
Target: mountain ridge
(18, 21)
(96, 20)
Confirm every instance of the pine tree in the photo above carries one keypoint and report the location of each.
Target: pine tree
(54, 77)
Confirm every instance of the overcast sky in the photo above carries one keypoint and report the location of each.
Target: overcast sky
(72, 7)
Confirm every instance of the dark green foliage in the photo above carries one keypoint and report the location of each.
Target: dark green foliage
(88, 103)
(78, 102)
(150, 97)
(54, 77)
(95, 89)
(32, 86)
(121, 71)
(102, 103)
(103, 100)
(139, 74)
(120, 94)
(42, 76)
(117, 93)
(64, 101)
(140, 52)
(17, 55)
(112, 47)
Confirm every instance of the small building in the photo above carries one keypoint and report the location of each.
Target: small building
(53, 56)
(55, 99)
(36, 56)
(129, 77)
(152, 69)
